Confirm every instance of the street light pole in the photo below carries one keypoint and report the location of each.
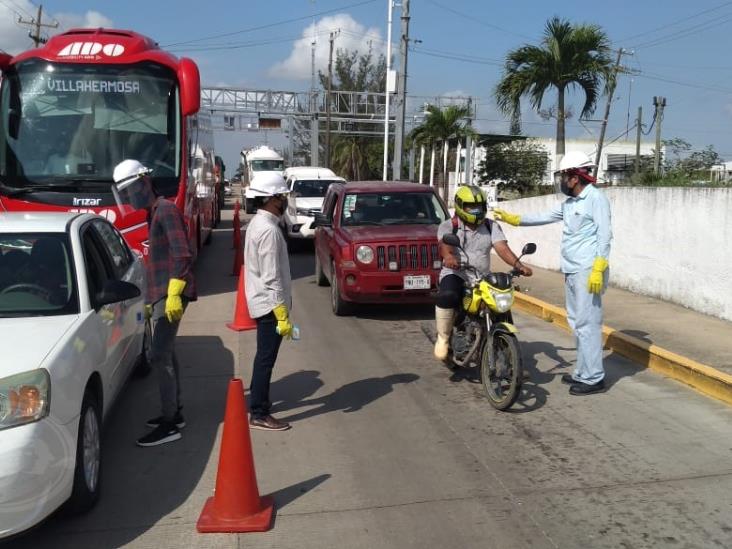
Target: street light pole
(386, 105)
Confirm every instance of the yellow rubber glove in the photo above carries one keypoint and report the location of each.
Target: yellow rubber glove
(595, 281)
(284, 326)
(174, 304)
(508, 217)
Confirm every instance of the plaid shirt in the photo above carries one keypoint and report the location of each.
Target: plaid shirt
(170, 255)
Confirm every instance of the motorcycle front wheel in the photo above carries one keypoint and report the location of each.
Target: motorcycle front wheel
(501, 370)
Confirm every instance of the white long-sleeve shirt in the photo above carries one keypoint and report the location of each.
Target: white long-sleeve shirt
(587, 231)
(268, 282)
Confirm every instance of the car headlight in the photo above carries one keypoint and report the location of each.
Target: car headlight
(365, 254)
(24, 398)
(503, 300)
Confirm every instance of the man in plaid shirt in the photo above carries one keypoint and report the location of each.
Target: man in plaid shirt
(170, 286)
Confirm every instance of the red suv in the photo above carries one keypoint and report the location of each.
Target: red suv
(376, 242)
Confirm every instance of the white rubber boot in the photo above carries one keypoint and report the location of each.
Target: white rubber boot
(444, 320)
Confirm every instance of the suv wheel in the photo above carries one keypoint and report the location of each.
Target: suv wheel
(320, 278)
(340, 307)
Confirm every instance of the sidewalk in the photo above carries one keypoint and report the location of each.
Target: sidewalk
(683, 331)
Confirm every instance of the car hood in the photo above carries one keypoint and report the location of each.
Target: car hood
(391, 233)
(309, 203)
(26, 342)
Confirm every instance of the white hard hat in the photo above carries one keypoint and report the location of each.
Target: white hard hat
(575, 160)
(127, 172)
(268, 184)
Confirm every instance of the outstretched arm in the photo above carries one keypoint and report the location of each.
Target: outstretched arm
(544, 218)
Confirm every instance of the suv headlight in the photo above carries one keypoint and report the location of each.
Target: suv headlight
(24, 398)
(365, 254)
(503, 300)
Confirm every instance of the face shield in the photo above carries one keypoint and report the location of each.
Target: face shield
(135, 194)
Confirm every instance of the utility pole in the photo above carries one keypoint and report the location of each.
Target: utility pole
(469, 146)
(387, 90)
(314, 134)
(37, 24)
(401, 102)
(610, 93)
(658, 102)
(639, 131)
(331, 39)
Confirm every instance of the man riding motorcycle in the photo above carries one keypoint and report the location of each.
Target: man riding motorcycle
(478, 235)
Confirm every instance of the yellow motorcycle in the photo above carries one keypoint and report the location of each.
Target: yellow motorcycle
(484, 335)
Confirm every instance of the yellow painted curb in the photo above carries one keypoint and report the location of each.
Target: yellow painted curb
(701, 377)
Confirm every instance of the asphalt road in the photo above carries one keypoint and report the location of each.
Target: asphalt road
(389, 449)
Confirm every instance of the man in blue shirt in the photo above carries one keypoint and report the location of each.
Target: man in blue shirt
(585, 251)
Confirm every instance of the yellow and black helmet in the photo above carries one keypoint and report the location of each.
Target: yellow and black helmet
(470, 204)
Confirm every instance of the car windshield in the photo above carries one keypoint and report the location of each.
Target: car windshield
(69, 125)
(316, 188)
(397, 208)
(268, 165)
(36, 275)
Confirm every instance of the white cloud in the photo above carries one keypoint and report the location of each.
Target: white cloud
(14, 37)
(353, 36)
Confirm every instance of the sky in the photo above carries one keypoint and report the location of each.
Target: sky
(679, 50)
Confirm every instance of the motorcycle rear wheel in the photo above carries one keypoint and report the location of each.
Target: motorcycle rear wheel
(501, 370)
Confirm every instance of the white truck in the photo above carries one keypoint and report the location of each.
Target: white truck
(258, 159)
(308, 187)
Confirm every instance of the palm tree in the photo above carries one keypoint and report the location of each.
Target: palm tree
(569, 56)
(348, 158)
(440, 126)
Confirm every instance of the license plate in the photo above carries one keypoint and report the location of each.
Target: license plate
(417, 282)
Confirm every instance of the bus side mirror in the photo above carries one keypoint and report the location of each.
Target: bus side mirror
(5, 59)
(190, 86)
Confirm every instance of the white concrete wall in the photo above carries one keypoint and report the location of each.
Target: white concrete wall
(670, 243)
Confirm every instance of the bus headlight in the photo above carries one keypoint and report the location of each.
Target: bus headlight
(365, 254)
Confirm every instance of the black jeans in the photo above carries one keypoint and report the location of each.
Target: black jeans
(268, 345)
(450, 292)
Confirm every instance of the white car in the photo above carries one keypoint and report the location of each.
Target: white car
(72, 328)
(308, 187)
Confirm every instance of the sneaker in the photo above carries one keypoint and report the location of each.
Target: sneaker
(162, 434)
(178, 420)
(268, 423)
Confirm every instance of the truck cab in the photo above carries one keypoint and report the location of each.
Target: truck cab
(376, 242)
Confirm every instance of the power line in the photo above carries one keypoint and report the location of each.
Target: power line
(457, 57)
(270, 25)
(676, 22)
(239, 45)
(684, 33)
(473, 19)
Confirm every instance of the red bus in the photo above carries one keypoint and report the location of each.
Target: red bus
(88, 99)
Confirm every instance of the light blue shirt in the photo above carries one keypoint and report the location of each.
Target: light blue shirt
(587, 228)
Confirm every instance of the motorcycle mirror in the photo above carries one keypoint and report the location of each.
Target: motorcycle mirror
(529, 249)
(451, 240)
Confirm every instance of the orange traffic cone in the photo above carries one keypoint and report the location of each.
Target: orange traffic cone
(238, 261)
(236, 505)
(236, 236)
(242, 320)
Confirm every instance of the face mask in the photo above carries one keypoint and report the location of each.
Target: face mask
(283, 205)
(477, 212)
(564, 186)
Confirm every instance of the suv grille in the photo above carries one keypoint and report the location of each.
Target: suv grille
(407, 256)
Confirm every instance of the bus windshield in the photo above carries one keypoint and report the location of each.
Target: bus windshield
(69, 125)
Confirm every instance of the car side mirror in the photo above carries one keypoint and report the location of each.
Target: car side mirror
(451, 240)
(322, 220)
(528, 249)
(115, 291)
